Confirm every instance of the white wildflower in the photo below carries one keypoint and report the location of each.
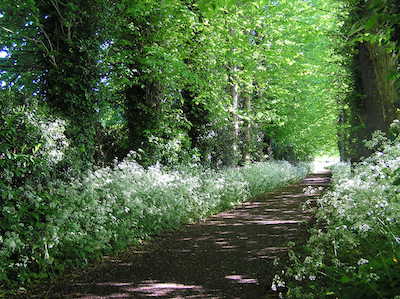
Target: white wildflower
(364, 227)
(373, 276)
(362, 261)
(309, 190)
(277, 283)
(273, 287)
(281, 284)
(308, 260)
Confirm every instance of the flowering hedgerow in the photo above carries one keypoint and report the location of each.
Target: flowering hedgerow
(66, 224)
(354, 251)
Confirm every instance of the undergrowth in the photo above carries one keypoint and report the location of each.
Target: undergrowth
(58, 225)
(354, 251)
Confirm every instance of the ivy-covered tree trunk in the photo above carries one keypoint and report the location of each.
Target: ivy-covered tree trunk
(142, 113)
(143, 107)
(70, 45)
(197, 116)
(135, 115)
(372, 106)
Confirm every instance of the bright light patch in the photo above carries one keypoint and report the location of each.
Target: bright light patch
(320, 163)
(3, 54)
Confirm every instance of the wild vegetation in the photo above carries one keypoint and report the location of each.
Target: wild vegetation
(122, 118)
(371, 45)
(354, 250)
(62, 224)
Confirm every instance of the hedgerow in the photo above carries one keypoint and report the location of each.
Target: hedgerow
(354, 251)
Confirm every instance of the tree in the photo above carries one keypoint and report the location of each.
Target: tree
(53, 51)
(372, 29)
(147, 56)
(72, 35)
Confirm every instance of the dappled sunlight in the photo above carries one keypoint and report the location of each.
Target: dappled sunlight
(275, 222)
(157, 289)
(302, 195)
(114, 284)
(360, 238)
(226, 255)
(144, 289)
(241, 279)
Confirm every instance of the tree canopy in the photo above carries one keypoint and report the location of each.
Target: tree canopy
(223, 80)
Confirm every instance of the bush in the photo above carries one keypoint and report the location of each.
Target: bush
(31, 146)
(354, 252)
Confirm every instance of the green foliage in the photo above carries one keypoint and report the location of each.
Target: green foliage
(61, 224)
(146, 56)
(53, 50)
(160, 54)
(30, 149)
(370, 44)
(31, 142)
(301, 76)
(375, 22)
(354, 250)
(21, 140)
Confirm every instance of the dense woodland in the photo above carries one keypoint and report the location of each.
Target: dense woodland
(101, 95)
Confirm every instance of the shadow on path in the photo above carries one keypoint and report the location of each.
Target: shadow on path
(229, 255)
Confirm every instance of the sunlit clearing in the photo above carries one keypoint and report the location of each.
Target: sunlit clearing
(321, 163)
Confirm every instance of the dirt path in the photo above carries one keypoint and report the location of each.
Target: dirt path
(229, 255)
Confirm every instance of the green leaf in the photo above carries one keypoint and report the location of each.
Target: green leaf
(371, 22)
(345, 279)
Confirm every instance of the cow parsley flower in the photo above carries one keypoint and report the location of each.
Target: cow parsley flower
(362, 261)
(364, 227)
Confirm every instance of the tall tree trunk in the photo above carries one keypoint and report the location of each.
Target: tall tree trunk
(375, 108)
(198, 117)
(246, 156)
(142, 111)
(136, 115)
(377, 65)
(373, 104)
(235, 119)
(70, 49)
(231, 141)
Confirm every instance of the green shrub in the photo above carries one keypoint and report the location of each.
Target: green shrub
(354, 252)
(30, 148)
